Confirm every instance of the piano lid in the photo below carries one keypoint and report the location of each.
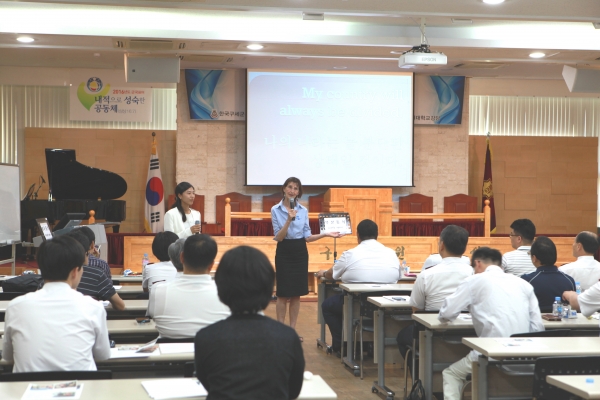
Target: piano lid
(69, 179)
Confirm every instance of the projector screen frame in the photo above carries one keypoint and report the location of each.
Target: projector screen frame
(410, 124)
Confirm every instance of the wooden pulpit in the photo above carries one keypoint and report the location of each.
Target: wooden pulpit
(362, 203)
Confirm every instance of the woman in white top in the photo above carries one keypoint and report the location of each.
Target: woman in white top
(181, 219)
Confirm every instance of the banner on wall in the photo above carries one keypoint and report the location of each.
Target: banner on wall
(486, 190)
(216, 94)
(97, 97)
(439, 99)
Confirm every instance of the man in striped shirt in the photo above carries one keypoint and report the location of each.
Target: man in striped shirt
(518, 262)
(94, 281)
(94, 259)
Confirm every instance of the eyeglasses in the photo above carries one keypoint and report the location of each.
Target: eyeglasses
(513, 234)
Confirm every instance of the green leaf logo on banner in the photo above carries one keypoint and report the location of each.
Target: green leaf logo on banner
(87, 99)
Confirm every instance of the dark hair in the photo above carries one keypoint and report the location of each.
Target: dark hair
(294, 180)
(245, 280)
(455, 239)
(367, 229)
(544, 249)
(57, 257)
(487, 254)
(180, 189)
(161, 243)
(588, 240)
(175, 250)
(199, 252)
(81, 238)
(88, 232)
(524, 228)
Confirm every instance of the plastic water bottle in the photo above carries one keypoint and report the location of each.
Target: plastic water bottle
(145, 260)
(557, 307)
(404, 267)
(578, 288)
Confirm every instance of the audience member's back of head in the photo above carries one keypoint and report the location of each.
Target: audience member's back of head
(488, 255)
(175, 250)
(367, 229)
(57, 257)
(81, 238)
(524, 228)
(455, 239)
(199, 252)
(245, 279)
(161, 243)
(87, 232)
(589, 241)
(544, 250)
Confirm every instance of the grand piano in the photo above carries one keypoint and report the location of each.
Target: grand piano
(76, 188)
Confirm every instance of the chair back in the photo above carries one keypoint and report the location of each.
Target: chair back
(55, 376)
(239, 202)
(460, 203)
(271, 200)
(189, 369)
(315, 203)
(545, 366)
(416, 203)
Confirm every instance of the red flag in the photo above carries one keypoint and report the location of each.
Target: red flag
(487, 192)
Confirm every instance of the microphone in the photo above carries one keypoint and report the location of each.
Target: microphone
(197, 223)
(293, 206)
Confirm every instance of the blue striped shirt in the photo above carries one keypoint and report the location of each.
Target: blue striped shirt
(95, 283)
(298, 228)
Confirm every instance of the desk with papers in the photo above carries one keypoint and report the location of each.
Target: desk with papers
(352, 292)
(577, 384)
(313, 389)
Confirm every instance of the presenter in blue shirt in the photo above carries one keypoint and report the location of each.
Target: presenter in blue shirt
(290, 224)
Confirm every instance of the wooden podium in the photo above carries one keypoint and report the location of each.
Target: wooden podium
(361, 203)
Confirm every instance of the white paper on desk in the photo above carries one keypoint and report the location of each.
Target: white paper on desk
(378, 285)
(397, 298)
(174, 388)
(521, 342)
(63, 390)
(117, 287)
(131, 352)
(596, 316)
(465, 317)
(171, 348)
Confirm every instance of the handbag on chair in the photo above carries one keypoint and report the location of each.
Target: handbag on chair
(417, 392)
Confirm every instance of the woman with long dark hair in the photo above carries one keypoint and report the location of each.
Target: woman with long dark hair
(181, 218)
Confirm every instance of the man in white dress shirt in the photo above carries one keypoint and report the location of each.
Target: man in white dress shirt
(56, 328)
(500, 305)
(434, 284)
(518, 262)
(586, 270)
(369, 262)
(190, 302)
(164, 270)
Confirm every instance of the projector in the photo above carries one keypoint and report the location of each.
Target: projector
(421, 55)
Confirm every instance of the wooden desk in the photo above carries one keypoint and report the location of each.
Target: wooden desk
(314, 389)
(577, 385)
(128, 279)
(353, 291)
(460, 327)
(385, 308)
(538, 347)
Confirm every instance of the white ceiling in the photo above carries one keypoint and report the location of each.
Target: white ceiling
(356, 34)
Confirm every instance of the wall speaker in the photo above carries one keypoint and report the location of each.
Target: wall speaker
(151, 69)
(581, 80)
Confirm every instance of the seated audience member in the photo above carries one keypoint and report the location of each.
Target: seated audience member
(500, 305)
(248, 355)
(94, 259)
(370, 261)
(183, 306)
(164, 269)
(56, 328)
(518, 262)
(433, 285)
(435, 259)
(94, 281)
(586, 270)
(587, 302)
(547, 281)
(175, 250)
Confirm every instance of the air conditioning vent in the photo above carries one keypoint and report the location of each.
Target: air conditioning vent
(480, 65)
(147, 45)
(205, 59)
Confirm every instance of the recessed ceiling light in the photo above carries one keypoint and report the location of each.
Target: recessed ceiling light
(464, 21)
(340, 67)
(537, 54)
(398, 51)
(25, 39)
(255, 46)
(493, 1)
(96, 54)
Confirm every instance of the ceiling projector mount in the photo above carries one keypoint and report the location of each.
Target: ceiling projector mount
(421, 54)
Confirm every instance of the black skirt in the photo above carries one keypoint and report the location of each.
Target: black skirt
(291, 268)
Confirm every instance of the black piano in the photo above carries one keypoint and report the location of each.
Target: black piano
(76, 188)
